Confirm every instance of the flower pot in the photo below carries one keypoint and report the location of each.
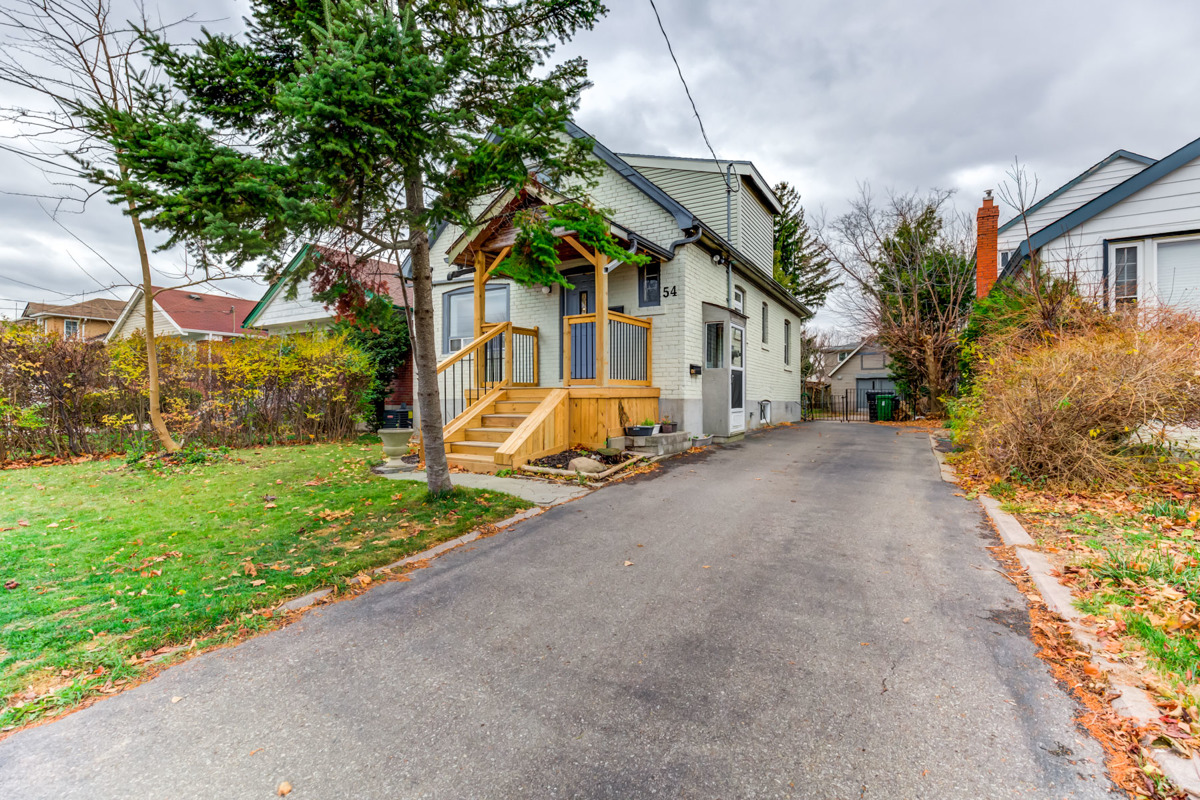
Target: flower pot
(702, 441)
(640, 430)
(668, 427)
(395, 441)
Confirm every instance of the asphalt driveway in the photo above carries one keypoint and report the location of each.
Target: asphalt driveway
(809, 614)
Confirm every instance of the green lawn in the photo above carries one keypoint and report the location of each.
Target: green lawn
(108, 563)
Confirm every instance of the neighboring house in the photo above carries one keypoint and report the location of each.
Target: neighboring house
(278, 314)
(702, 334)
(1128, 228)
(185, 314)
(855, 369)
(90, 319)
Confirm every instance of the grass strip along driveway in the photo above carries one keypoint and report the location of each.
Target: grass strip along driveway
(106, 567)
(1132, 560)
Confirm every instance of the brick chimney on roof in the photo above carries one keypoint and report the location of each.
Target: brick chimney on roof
(986, 245)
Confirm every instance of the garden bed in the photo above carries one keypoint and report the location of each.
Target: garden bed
(563, 460)
(107, 569)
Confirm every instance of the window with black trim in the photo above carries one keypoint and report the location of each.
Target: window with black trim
(787, 342)
(650, 285)
(766, 323)
(458, 314)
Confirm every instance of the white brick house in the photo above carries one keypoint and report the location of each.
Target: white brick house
(721, 337)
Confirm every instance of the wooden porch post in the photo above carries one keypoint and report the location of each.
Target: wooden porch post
(481, 277)
(601, 320)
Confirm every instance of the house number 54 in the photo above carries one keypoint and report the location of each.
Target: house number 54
(669, 291)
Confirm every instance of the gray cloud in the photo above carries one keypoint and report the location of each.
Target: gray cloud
(902, 94)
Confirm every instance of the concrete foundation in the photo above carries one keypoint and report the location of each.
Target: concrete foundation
(661, 444)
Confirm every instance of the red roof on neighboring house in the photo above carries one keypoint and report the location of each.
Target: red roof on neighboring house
(211, 313)
(373, 269)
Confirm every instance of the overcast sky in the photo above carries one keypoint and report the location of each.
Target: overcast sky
(826, 94)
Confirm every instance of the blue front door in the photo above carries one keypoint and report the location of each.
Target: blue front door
(581, 300)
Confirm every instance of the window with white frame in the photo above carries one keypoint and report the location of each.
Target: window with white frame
(1125, 275)
(787, 342)
(70, 328)
(739, 300)
(842, 356)
(714, 345)
(1003, 258)
(458, 314)
(766, 323)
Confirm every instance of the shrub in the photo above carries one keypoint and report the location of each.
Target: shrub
(62, 397)
(1078, 406)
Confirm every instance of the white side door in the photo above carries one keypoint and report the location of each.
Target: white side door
(737, 379)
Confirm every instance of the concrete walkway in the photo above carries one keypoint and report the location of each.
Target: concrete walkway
(539, 492)
(812, 613)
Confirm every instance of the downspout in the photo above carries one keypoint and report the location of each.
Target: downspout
(689, 239)
(729, 234)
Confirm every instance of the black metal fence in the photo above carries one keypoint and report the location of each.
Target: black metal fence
(860, 406)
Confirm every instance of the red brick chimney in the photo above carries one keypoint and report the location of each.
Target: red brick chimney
(986, 247)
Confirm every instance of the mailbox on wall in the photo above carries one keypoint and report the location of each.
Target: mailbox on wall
(694, 369)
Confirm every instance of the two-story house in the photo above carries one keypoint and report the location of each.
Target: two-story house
(702, 334)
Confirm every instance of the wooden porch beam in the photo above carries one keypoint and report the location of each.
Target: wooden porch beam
(499, 259)
(583, 251)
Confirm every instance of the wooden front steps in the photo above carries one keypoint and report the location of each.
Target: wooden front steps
(474, 439)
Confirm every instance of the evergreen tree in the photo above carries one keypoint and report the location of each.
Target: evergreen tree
(801, 264)
(358, 124)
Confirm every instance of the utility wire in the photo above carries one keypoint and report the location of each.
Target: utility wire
(688, 91)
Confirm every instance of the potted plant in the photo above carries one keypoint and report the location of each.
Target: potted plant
(703, 440)
(395, 441)
(667, 426)
(647, 428)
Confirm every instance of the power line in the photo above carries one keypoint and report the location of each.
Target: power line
(688, 91)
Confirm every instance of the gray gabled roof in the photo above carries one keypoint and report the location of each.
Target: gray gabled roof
(1184, 155)
(1092, 170)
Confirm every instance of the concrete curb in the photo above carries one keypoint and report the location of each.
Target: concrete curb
(305, 601)
(1133, 702)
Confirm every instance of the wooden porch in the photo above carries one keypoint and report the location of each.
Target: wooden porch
(499, 413)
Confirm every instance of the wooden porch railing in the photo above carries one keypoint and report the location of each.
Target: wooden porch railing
(504, 355)
(629, 346)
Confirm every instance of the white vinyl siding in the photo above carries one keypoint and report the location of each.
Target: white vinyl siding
(702, 193)
(1087, 189)
(755, 237)
(281, 314)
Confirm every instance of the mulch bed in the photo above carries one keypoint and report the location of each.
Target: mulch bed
(562, 460)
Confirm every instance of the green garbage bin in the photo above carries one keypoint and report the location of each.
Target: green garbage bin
(884, 405)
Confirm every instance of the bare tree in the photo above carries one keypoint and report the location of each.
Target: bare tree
(906, 262)
(82, 65)
(1052, 284)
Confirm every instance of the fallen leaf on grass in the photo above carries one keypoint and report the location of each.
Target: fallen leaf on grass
(10, 585)
(269, 505)
(302, 570)
(249, 569)
(258, 582)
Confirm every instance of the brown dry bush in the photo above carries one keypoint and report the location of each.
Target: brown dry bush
(1077, 407)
